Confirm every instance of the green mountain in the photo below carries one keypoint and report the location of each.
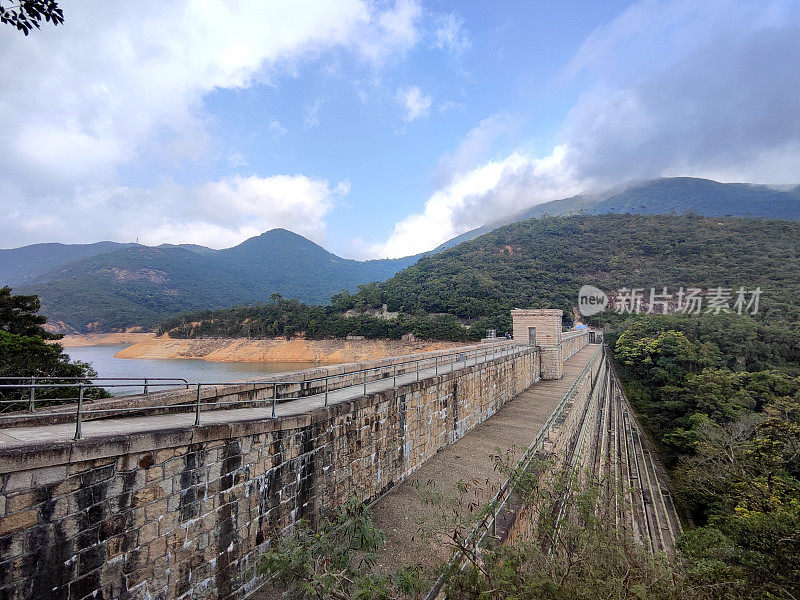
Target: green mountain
(142, 285)
(21, 265)
(669, 195)
(543, 263)
(108, 285)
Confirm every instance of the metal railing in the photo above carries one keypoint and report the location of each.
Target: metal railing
(488, 523)
(46, 383)
(361, 377)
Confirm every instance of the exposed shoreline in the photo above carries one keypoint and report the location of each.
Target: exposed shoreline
(275, 350)
(75, 340)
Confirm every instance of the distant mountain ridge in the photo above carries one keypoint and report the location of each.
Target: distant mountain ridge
(109, 285)
(667, 195)
(133, 285)
(21, 265)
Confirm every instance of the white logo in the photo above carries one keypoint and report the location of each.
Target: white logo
(591, 300)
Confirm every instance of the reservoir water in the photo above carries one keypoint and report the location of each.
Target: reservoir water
(192, 370)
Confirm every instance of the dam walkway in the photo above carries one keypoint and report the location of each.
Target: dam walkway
(417, 515)
(155, 506)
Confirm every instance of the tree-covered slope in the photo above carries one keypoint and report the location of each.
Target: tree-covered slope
(20, 265)
(142, 285)
(543, 263)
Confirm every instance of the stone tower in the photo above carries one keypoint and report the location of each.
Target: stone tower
(542, 327)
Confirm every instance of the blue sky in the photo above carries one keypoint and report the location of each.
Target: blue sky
(379, 128)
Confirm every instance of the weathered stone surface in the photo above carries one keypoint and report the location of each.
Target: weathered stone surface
(182, 513)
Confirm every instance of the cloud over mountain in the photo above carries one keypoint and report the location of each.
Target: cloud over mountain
(672, 88)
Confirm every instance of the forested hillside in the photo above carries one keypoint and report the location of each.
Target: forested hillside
(721, 398)
(667, 195)
(543, 263)
(135, 285)
(22, 265)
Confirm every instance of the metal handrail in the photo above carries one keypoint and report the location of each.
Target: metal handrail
(144, 382)
(50, 377)
(488, 353)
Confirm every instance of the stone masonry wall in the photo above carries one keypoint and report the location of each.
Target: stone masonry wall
(184, 513)
(283, 385)
(573, 342)
(562, 440)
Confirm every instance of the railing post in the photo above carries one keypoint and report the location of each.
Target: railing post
(365, 382)
(274, 398)
(32, 400)
(79, 415)
(394, 379)
(197, 408)
(418, 369)
(326, 391)
(145, 386)
(436, 363)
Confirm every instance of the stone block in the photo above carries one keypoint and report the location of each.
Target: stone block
(49, 475)
(156, 510)
(21, 480)
(17, 521)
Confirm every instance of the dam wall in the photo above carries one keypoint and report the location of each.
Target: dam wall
(283, 386)
(185, 512)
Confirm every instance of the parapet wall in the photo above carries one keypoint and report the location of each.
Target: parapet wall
(573, 342)
(184, 513)
(281, 385)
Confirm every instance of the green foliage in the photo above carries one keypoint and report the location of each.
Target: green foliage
(754, 555)
(335, 560)
(600, 564)
(583, 555)
(544, 262)
(281, 317)
(26, 15)
(18, 315)
(25, 353)
(732, 436)
(681, 371)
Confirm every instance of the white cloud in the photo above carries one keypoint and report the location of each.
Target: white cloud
(236, 159)
(394, 32)
(450, 34)
(473, 149)
(122, 84)
(674, 88)
(477, 197)
(312, 114)
(417, 104)
(277, 129)
(217, 214)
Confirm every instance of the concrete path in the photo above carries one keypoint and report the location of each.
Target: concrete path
(25, 436)
(418, 516)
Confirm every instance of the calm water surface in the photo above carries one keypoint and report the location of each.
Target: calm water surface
(192, 370)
